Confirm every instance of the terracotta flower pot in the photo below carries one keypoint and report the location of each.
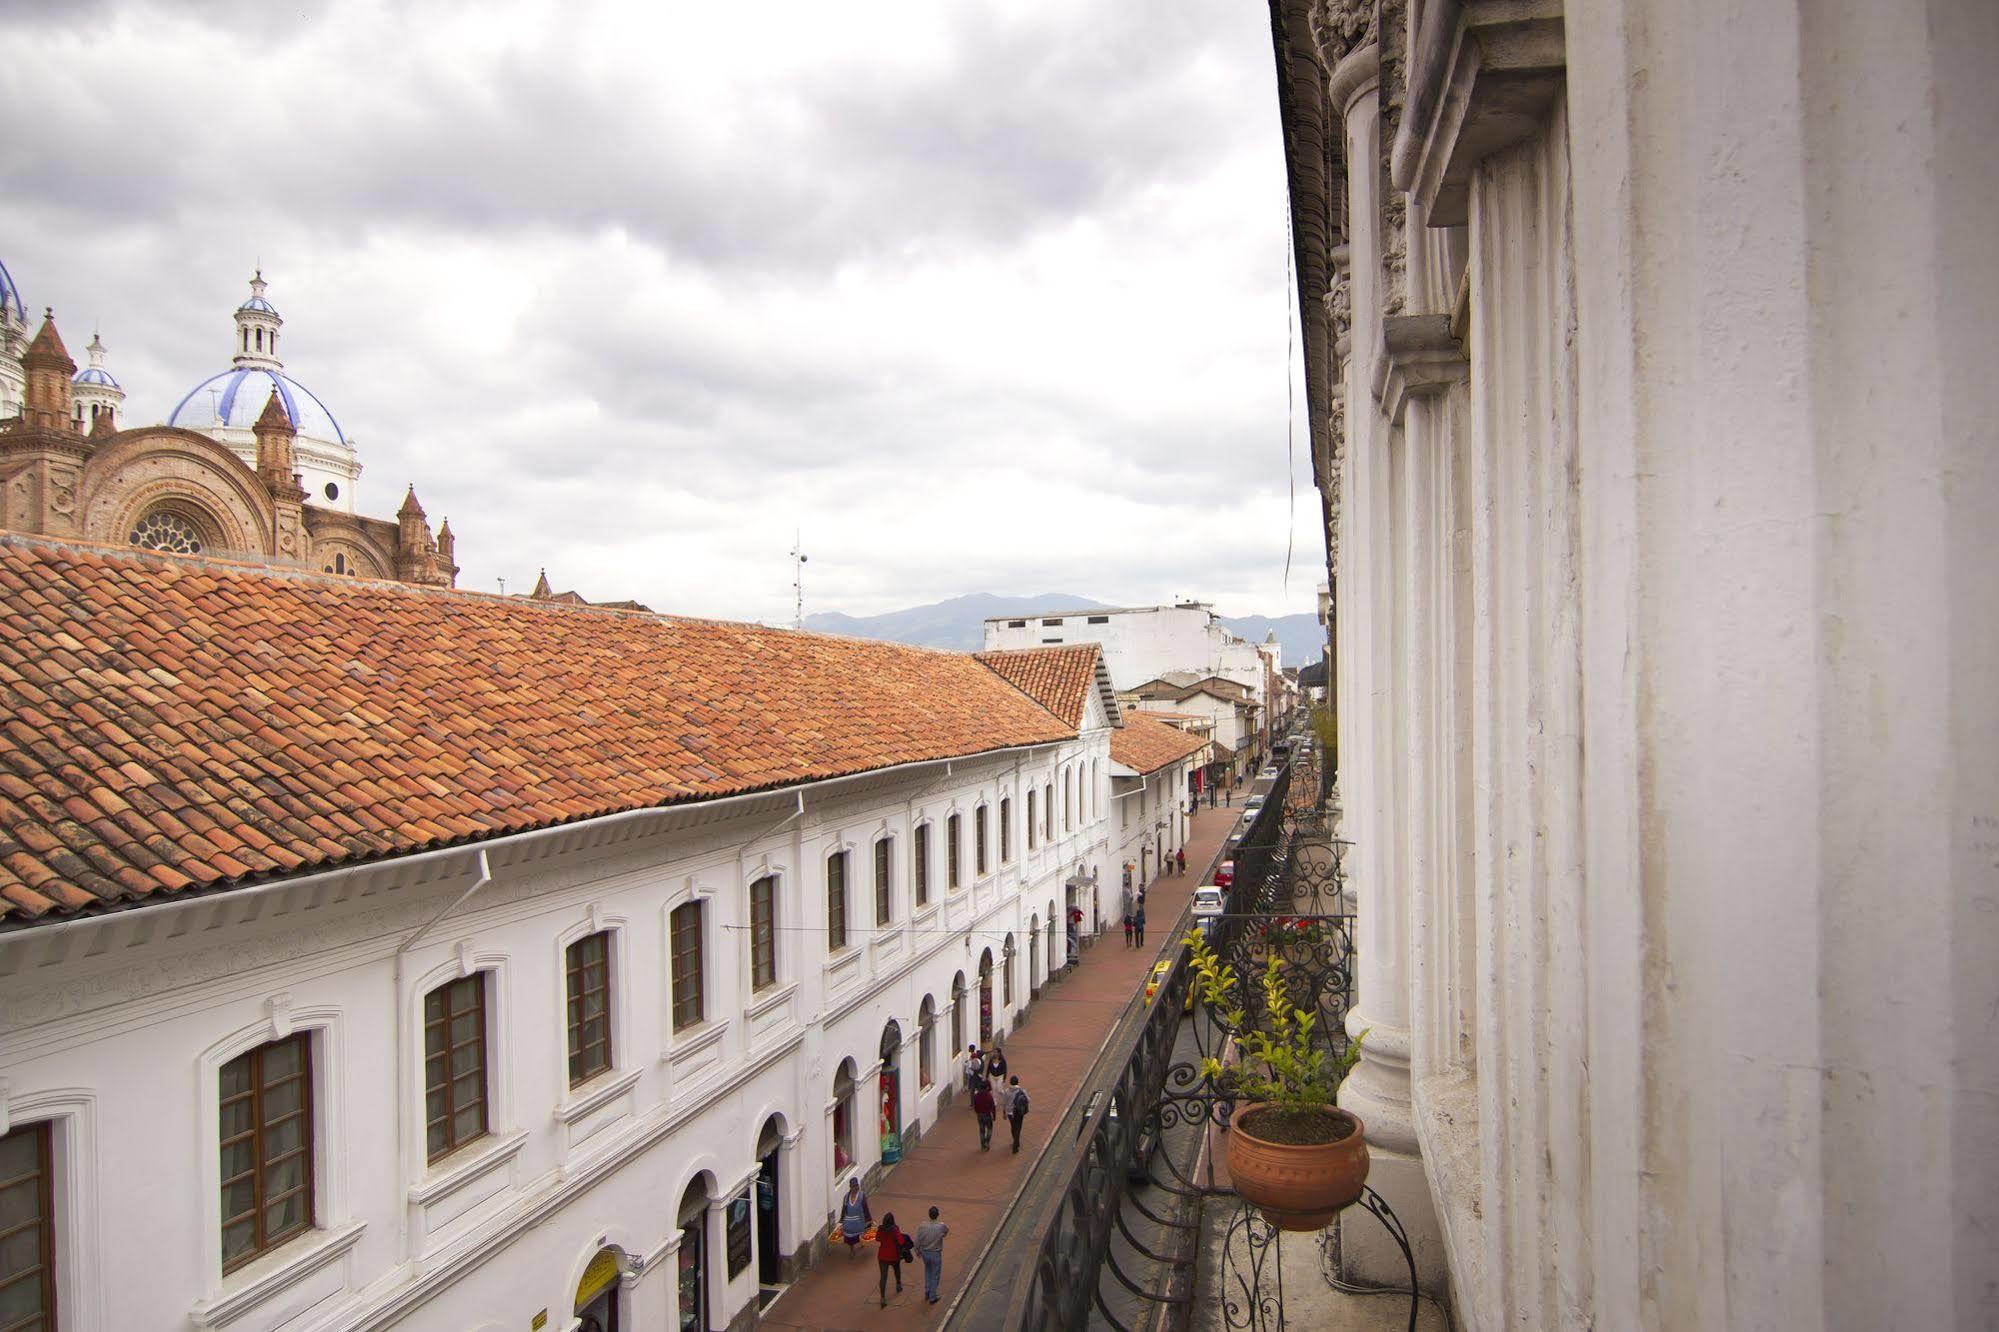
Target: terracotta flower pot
(1297, 1187)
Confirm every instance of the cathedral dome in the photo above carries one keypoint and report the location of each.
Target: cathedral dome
(12, 308)
(235, 397)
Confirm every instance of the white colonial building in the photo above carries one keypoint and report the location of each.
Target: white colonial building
(1152, 769)
(1649, 352)
(385, 957)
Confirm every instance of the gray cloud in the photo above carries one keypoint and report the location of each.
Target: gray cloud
(980, 297)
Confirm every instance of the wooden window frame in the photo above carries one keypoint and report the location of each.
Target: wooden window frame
(954, 851)
(575, 991)
(836, 901)
(979, 854)
(763, 933)
(687, 963)
(449, 1087)
(262, 1240)
(884, 881)
(919, 863)
(43, 1219)
(1030, 819)
(1006, 830)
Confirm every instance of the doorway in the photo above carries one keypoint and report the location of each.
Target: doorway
(692, 1273)
(770, 1257)
(985, 998)
(891, 1093)
(597, 1293)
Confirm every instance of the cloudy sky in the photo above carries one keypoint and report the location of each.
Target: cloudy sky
(978, 296)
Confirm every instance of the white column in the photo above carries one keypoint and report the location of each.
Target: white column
(1378, 1090)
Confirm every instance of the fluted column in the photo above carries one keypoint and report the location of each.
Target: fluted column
(1371, 743)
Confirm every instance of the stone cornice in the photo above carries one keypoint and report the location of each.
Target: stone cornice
(1482, 75)
(1418, 357)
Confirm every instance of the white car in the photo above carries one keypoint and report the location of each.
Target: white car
(1253, 804)
(1208, 900)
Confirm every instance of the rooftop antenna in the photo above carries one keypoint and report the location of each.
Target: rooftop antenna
(797, 580)
(503, 587)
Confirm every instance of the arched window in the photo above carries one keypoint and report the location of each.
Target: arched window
(1033, 952)
(1006, 973)
(246, 339)
(260, 339)
(926, 1043)
(163, 529)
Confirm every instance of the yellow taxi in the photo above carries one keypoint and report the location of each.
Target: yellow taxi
(1160, 971)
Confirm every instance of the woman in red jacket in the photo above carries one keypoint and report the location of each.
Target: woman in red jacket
(888, 1254)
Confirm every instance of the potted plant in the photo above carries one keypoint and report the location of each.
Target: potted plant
(1292, 1152)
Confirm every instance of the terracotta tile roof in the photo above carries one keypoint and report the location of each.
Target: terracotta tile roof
(1145, 745)
(1176, 716)
(174, 725)
(1058, 678)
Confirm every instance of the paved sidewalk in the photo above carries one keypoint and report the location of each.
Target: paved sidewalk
(1063, 1032)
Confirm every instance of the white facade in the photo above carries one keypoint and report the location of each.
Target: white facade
(113, 1030)
(1659, 448)
(1151, 824)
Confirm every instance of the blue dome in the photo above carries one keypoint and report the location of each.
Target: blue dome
(96, 375)
(10, 297)
(258, 303)
(238, 399)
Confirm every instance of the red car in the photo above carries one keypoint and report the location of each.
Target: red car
(1225, 874)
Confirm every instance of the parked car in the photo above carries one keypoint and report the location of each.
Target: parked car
(1253, 804)
(1225, 874)
(1157, 978)
(1136, 1170)
(1270, 772)
(1208, 900)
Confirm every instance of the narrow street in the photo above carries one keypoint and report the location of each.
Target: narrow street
(1053, 1048)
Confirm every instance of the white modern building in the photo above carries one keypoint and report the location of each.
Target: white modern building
(1649, 360)
(1141, 642)
(384, 957)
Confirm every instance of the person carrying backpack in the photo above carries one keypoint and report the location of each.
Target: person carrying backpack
(1016, 1108)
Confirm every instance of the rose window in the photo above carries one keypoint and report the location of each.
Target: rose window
(163, 529)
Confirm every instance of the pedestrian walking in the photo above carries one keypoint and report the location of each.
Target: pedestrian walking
(854, 1217)
(986, 1109)
(930, 1248)
(996, 1065)
(1016, 1109)
(1138, 924)
(1180, 859)
(1128, 940)
(975, 1067)
(1228, 798)
(888, 1254)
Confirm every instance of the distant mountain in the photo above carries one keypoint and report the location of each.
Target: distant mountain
(959, 624)
(1301, 636)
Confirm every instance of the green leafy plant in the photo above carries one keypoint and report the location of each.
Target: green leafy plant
(1327, 728)
(1281, 1065)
